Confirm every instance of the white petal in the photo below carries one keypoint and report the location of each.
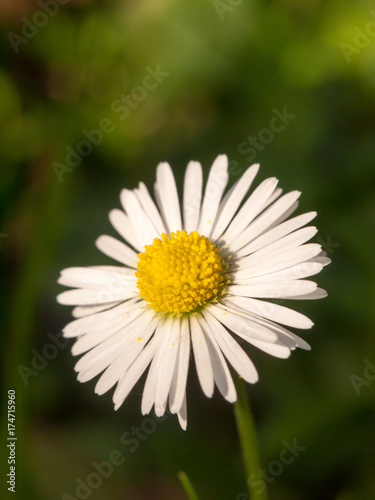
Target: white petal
(82, 297)
(201, 357)
(177, 394)
(276, 347)
(136, 369)
(240, 325)
(119, 366)
(285, 215)
(279, 351)
(250, 209)
(220, 368)
(182, 415)
(92, 359)
(150, 208)
(322, 259)
(283, 336)
(95, 279)
(228, 209)
(274, 312)
(298, 271)
(166, 369)
(128, 271)
(192, 196)
(95, 361)
(292, 340)
(88, 341)
(159, 205)
(278, 247)
(274, 289)
(261, 265)
(142, 227)
(93, 338)
(149, 393)
(81, 311)
(120, 221)
(168, 197)
(319, 293)
(101, 319)
(259, 234)
(277, 192)
(231, 350)
(117, 250)
(132, 375)
(217, 180)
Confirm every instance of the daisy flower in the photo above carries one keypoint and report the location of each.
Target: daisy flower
(192, 280)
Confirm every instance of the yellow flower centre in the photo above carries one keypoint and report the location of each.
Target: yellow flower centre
(181, 273)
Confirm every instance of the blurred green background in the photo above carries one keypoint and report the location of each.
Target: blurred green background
(220, 70)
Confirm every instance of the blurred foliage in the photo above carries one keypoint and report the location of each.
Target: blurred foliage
(227, 65)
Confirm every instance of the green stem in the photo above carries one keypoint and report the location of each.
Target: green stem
(188, 487)
(248, 440)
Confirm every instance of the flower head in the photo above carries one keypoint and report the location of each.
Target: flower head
(181, 273)
(192, 282)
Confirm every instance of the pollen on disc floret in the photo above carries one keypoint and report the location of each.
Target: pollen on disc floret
(181, 273)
